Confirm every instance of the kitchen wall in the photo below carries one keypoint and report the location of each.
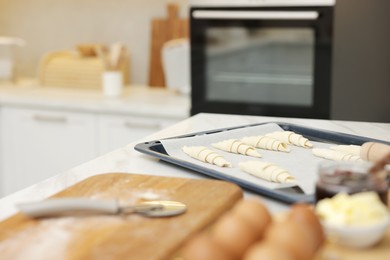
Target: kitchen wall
(49, 25)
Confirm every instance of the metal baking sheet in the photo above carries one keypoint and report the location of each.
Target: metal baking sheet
(285, 194)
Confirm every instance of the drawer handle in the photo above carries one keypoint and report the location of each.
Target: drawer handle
(142, 125)
(53, 119)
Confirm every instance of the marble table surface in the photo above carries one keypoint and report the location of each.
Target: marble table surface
(127, 160)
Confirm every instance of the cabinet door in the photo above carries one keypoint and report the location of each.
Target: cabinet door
(119, 131)
(38, 144)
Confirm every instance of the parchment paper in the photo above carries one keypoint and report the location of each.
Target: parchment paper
(300, 162)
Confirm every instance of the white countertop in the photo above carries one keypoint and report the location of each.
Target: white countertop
(128, 160)
(137, 100)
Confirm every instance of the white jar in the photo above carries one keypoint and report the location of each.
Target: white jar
(8, 57)
(112, 83)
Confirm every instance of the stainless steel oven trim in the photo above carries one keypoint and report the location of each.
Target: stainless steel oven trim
(260, 3)
(266, 15)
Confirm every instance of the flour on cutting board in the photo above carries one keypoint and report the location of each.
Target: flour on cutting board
(51, 238)
(300, 162)
(48, 239)
(133, 195)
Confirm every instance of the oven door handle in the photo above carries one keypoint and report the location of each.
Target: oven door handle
(260, 15)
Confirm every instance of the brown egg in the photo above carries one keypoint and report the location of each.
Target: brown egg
(205, 248)
(255, 214)
(306, 217)
(290, 235)
(233, 234)
(268, 251)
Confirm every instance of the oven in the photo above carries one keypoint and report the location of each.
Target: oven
(267, 57)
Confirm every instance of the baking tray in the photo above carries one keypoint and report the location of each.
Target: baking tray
(287, 195)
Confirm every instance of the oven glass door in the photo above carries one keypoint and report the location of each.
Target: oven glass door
(256, 64)
(269, 66)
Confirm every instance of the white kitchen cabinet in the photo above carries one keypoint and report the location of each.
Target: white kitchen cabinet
(37, 144)
(45, 131)
(117, 131)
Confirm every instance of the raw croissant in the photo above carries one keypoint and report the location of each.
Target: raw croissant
(335, 155)
(353, 149)
(266, 142)
(207, 155)
(236, 146)
(291, 138)
(267, 171)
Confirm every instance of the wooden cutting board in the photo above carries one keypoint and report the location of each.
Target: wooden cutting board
(119, 237)
(162, 31)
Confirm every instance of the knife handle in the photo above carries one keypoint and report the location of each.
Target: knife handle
(55, 207)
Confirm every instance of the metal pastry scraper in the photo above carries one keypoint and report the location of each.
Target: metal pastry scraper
(73, 206)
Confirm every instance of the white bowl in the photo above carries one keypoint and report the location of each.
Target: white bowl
(355, 236)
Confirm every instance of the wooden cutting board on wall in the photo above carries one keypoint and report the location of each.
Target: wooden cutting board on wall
(119, 237)
(163, 30)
